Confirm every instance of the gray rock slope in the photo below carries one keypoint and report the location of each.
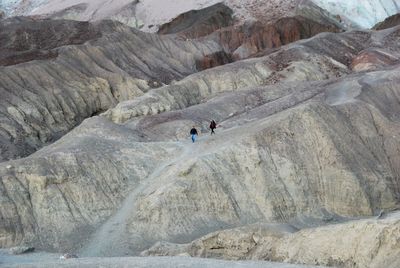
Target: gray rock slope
(362, 243)
(302, 140)
(57, 73)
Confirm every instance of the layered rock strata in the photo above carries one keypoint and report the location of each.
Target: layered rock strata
(57, 73)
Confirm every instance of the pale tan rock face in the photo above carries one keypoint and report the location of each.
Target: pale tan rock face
(361, 243)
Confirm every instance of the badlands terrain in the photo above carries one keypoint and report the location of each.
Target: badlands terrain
(97, 99)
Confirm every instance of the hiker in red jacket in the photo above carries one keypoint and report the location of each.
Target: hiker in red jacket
(213, 126)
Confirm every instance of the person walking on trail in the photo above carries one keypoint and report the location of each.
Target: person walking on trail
(193, 133)
(213, 126)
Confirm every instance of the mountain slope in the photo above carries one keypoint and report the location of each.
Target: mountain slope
(302, 153)
(307, 144)
(55, 73)
(58, 82)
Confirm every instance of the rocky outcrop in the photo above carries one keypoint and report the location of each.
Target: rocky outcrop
(390, 22)
(373, 59)
(82, 70)
(244, 40)
(363, 243)
(197, 23)
(250, 39)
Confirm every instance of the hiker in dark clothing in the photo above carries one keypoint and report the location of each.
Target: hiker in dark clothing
(213, 126)
(193, 133)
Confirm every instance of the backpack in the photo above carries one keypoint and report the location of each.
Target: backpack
(213, 124)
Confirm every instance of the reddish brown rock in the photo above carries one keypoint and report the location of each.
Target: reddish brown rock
(213, 60)
(256, 38)
(247, 40)
(371, 60)
(244, 40)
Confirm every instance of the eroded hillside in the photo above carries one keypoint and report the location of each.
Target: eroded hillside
(307, 150)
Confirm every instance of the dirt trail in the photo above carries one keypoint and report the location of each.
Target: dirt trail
(111, 239)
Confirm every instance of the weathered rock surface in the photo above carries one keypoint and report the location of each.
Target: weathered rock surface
(309, 9)
(307, 138)
(249, 39)
(254, 37)
(58, 82)
(44, 98)
(244, 40)
(24, 39)
(362, 243)
(197, 23)
(146, 15)
(300, 153)
(326, 56)
(83, 10)
(390, 22)
(372, 59)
